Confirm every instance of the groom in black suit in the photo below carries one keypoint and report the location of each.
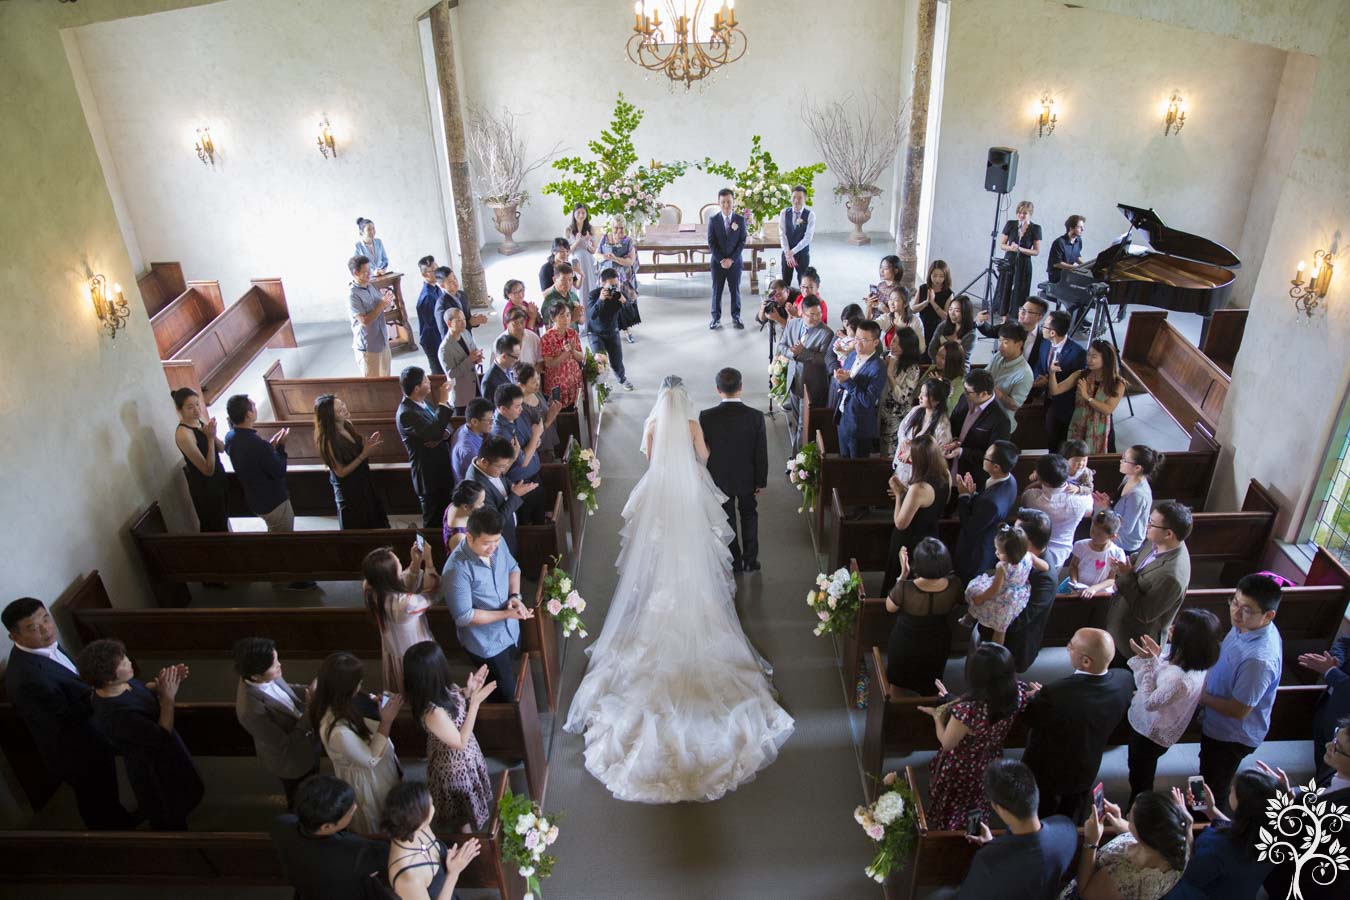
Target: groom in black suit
(738, 461)
(726, 240)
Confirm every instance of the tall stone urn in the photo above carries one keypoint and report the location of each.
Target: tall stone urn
(859, 208)
(506, 218)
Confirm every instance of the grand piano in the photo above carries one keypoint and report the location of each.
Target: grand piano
(1175, 271)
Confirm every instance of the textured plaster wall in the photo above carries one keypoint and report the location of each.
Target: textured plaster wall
(262, 74)
(1109, 76)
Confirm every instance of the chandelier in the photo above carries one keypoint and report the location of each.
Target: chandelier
(682, 56)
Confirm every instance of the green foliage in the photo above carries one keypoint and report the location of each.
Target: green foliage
(525, 824)
(763, 189)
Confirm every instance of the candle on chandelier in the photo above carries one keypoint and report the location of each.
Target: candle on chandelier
(731, 13)
(637, 15)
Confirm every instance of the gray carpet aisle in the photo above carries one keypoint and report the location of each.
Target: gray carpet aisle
(790, 832)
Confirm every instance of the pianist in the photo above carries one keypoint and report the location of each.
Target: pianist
(1067, 249)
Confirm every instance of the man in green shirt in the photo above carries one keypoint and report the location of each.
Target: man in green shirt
(562, 291)
(1011, 373)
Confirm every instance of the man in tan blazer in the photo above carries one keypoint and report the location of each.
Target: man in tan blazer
(274, 713)
(1151, 587)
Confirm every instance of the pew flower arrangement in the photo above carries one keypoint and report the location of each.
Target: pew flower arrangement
(526, 835)
(835, 600)
(595, 365)
(890, 823)
(804, 472)
(584, 469)
(602, 392)
(762, 189)
(563, 602)
(778, 386)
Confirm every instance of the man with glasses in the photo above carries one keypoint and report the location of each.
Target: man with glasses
(1149, 588)
(1333, 667)
(805, 341)
(506, 353)
(1029, 316)
(1240, 688)
(1334, 790)
(861, 379)
(977, 422)
(983, 512)
(469, 438)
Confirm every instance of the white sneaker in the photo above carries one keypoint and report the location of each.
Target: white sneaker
(628, 385)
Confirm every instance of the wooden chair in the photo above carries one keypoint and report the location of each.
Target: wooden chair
(704, 211)
(670, 214)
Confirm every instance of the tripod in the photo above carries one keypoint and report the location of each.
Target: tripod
(994, 263)
(1101, 312)
(773, 345)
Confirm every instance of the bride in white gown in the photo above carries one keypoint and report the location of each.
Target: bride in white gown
(676, 705)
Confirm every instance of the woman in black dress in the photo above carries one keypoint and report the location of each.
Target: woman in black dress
(919, 503)
(921, 600)
(930, 301)
(196, 440)
(137, 719)
(346, 455)
(1020, 240)
(420, 866)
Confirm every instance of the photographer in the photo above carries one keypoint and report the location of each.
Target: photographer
(779, 306)
(603, 322)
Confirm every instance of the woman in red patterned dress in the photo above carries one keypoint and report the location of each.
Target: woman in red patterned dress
(561, 353)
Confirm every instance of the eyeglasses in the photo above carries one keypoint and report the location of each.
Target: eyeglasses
(1237, 606)
(1159, 527)
(1336, 748)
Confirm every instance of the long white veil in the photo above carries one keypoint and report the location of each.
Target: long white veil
(676, 704)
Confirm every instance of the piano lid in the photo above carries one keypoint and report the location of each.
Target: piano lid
(1178, 243)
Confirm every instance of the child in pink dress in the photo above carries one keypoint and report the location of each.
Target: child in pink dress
(997, 597)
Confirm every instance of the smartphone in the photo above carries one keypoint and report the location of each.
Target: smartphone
(421, 542)
(1099, 799)
(871, 290)
(384, 699)
(1196, 786)
(974, 819)
(556, 394)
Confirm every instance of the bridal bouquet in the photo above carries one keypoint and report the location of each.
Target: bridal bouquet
(835, 600)
(804, 471)
(562, 602)
(526, 834)
(584, 468)
(778, 385)
(595, 365)
(890, 822)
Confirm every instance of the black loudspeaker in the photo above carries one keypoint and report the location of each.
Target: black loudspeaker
(1000, 171)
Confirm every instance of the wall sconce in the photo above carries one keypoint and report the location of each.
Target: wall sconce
(206, 151)
(1048, 118)
(111, 310)
(326, 143)
(1308, 296)
(1174, 116)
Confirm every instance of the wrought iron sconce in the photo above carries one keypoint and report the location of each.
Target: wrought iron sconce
(1308, 295)
(327, 144)
(206, 150)
(1174, 117)
(1045, 123)
(111, 309)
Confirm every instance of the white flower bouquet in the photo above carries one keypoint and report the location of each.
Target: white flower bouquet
(778, 385)
(889, 821)
(563, 602)
(584, 468)
(526, 835)
(803, 471)
(835, 600)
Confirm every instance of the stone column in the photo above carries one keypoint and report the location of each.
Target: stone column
(471, 263)
(911, 186)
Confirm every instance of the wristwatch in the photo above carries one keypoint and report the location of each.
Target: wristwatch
(510, 597)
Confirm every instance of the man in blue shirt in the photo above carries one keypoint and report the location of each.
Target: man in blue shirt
(260, 466)
(1033, 857)
(367, 305)
(477, 422)
(510, 423)
(481, 581)
(1067, 248)
(1240, 688)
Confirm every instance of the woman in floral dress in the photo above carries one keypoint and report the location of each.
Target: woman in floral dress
(560, 349)
(1100, 389)
(456, 771)
(904, 367)
(972, 730)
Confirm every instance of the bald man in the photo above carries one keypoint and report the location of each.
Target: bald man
(1071, 720)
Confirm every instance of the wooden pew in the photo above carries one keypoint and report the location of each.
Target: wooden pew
(234, 859)
(174, 560)
(1223, 337)
(368, 399)
(1187, 384)
(1185, 475)
(183, 317)
(1308, 618)
(211, 360)
(895, 727)
(1234, 538)
(160, 286)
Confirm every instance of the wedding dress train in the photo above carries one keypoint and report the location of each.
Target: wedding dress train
(675, 705)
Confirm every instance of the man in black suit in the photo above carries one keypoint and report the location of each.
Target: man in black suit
(425, 431)
(1026, 632)
(494, 460)
(1064, 356)
(319, 857)
(982, 510)
(739, 464)
(506, 353)
(1071, 721)
(54, 704)
(977, 422)
(726, 240)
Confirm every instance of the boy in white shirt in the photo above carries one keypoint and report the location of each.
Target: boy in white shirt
(1080, 476)
(1089, 568)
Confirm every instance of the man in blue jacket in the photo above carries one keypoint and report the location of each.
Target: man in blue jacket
(260, 466)
(982, 512)
(1334, 704)
(726, 240)
(861, 379)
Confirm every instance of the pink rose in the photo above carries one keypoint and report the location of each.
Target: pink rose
(876, 832)
(554, 606)
(824, 616)
(532, 840)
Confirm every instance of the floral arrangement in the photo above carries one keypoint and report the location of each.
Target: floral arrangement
(613, 184)
(890, 822)
(602, 392)
(595, 365)
(835, 600)
(584, 468)
(778, 384)
(762, 189)
(526, 834)
(562, 602)
(804, 471)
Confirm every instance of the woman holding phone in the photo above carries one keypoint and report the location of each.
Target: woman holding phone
(539, 410)
(397, 598)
